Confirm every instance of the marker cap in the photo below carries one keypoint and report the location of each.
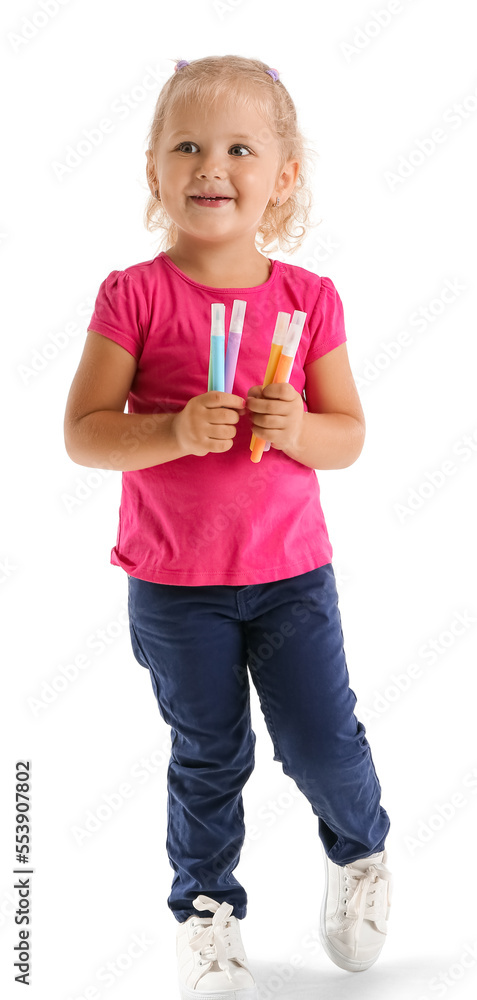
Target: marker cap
(238, 316)
(281, 328)
(218, 319)
(295, 331)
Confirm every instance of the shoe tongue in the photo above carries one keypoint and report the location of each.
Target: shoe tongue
(363, 863)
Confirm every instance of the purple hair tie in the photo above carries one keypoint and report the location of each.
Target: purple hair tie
(274, 73)
(180, 64)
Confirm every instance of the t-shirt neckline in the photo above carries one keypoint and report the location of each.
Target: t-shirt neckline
(212, 288)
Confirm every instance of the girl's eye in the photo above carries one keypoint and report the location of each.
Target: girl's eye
(237, 146)
(185, 144)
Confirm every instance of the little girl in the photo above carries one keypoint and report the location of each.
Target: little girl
(229, 561)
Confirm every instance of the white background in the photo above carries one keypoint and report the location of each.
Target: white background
(402, 578)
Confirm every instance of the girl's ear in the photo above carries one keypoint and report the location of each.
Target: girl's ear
(287, 179)
(150, 171)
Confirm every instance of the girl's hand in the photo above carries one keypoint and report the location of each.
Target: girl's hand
(276, 414)
(207, 423)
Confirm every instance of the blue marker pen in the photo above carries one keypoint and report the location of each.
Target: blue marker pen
(217, 346)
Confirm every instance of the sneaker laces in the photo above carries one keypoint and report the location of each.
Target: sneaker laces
(370, 899)
(216, 937)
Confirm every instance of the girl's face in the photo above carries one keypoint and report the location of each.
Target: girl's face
(229, 153)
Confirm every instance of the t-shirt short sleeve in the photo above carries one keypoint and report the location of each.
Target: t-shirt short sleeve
(326, 322)
(120, 312)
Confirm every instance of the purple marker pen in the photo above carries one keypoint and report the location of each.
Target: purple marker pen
(233, 342)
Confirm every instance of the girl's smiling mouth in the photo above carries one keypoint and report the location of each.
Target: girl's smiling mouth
(211, 202)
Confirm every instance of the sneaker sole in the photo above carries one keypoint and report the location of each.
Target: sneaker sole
(348, 964)
(187, 994)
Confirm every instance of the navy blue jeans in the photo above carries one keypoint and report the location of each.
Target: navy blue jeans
(200, 644)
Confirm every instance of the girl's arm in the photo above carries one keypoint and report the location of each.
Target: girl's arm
(98, 434)
(333, 430)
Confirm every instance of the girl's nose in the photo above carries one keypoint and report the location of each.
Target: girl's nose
(212, 164)
(206, 174)
(211, 170)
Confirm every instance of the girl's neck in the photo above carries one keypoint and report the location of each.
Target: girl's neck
(217, 273)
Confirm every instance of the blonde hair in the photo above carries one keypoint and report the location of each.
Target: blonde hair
(236, 78)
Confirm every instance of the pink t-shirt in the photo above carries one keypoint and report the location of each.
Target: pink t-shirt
(217, 518)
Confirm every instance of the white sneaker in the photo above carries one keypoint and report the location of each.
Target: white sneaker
(355, 909)
(211, 957)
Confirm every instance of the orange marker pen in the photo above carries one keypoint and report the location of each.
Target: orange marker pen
(284, 367)
(279, 337)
